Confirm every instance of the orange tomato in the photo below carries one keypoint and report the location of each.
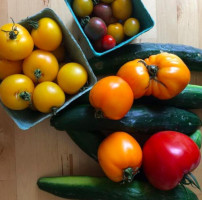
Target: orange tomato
(16, 91)
(15, 42)
(48, 97)
(113, 96)
(120, 156)
(41, 66)
(8, 67)
(163, 75)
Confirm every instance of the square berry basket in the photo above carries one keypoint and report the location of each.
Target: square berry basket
(27, 118)
(138, 11)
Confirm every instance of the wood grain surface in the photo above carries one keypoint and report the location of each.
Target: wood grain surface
(42, 151)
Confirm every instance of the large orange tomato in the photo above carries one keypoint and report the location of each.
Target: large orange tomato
(41, 66)
(113, 96)
(8, 67)
(163, 75)
(120, 156)
(15, 42)
(16, 91)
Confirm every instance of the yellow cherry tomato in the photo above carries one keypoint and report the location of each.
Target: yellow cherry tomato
(72, 77)
(82, 8)
(131, 27)
(122, 9)
(41, 66)
(15, 42)
(116, 31)
(48, 97)
(16, 91)
(47, 35)
(8, 67)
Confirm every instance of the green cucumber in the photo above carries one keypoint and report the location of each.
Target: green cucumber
(91, 188)
(189, 98)
(197, 138)
(140, 121)
(111, 62)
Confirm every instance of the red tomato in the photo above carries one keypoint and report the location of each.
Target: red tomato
(108, 42)
(167, 157)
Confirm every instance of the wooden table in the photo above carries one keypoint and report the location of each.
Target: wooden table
(42, 151)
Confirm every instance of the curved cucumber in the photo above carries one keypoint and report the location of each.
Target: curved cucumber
(140, 121)
(111, 62)
(91, 188)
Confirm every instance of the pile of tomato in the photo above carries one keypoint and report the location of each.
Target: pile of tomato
(33, 71)
(167, 157)
(106, 23)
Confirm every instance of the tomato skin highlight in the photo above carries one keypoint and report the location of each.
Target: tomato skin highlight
(113, 96)
(167, 157)
(118, 152)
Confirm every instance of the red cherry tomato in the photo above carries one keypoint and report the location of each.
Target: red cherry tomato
(168, 156)
(108, 42)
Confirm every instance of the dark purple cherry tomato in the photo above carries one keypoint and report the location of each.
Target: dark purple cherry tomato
(95, 28)
(103, 11)
(108, 42)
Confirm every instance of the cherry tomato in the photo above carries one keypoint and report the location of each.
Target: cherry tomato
(163, 75)
(116, 31)
(82, 8)
(122, 9)
(72, 77)
(15, 42)
(8, 67)
(108, 42)
(167, 157)
(113, 96)
(131, 27)
(16, 91)
(41, 66)
(47, 34)
(120, 156)
(48, 97)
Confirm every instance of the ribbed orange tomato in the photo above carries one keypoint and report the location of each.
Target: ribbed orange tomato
(163, 75)
(113, 96)
(120, 156)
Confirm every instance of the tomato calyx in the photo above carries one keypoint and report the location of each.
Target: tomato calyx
(84, 21)
(14, 31)
(37, 74)
(33, 24)
(152, 70)
(189, 179)
(26, 96)
(98, 114)
(129, 174)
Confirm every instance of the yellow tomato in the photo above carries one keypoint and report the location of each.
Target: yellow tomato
(41, 66)
(16, 91)
(122, 9)
(15, 42)
(48, 97)
(72, 77)
(116, 31)
(8, 67)
(82, 8)
(131, 26)
(47, 35)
